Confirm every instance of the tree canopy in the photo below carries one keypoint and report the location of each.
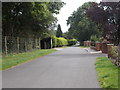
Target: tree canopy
(29, 19)
(107, 16)
(81, 27)
(59, 32)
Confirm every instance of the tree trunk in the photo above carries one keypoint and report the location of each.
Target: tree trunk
(45, 44)
(25, 46)
(39, 43)
(31, 44)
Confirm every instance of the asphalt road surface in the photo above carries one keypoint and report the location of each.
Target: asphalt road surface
(71, 67)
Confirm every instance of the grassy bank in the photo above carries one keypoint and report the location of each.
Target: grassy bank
(15, 59)
(107, 73)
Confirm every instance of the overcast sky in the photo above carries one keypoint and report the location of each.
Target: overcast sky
(67, 10)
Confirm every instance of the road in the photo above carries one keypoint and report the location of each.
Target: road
(72, 67)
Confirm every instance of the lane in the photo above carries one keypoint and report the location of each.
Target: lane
(72, 67)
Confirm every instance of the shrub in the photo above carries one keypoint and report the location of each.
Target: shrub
(72, 42)
(61, 42)
(94, 38)
(114, 52)
(115, 55)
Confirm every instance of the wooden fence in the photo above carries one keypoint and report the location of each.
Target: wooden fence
(19, 44)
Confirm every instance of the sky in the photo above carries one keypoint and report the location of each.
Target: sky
(67, 10)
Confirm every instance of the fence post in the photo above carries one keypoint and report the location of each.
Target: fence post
(6, 51)
(25, 45)
(31, 44)
(18, 45)
(36, 43)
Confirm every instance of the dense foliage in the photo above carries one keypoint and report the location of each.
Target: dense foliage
(95, 39)
(59, 41)
(107, 16)
(72, 42)
(59, 32)
(81, 27)
(67, 35)
(29, 19)
(54, 41)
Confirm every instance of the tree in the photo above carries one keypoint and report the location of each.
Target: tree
(54, 7)
(67, 35)
(81, 27)
(31, 19)
(106, 15)
(59, 31)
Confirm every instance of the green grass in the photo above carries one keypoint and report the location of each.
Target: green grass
(83, 47)
(107, 73)
(16, 59)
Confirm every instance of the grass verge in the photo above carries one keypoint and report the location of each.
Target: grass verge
(107, 73)
(62, 47)
(16, 59)
(83, 47)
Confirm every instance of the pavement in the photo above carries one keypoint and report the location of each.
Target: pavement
(58, 48)
(71, 67)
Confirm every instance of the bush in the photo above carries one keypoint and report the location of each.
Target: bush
(94, 38)
(72, 42)
(114, 52)
(59, 42)
(115, 56)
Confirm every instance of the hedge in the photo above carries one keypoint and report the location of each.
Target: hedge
(59, 42)
(54, 41)
(72, 42)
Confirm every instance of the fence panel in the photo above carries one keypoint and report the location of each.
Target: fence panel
(19, 44)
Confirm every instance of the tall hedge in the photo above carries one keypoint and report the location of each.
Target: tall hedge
(54, 41)
(59, 42)
(72, 42)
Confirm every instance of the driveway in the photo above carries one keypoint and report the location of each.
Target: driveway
(71, 67)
